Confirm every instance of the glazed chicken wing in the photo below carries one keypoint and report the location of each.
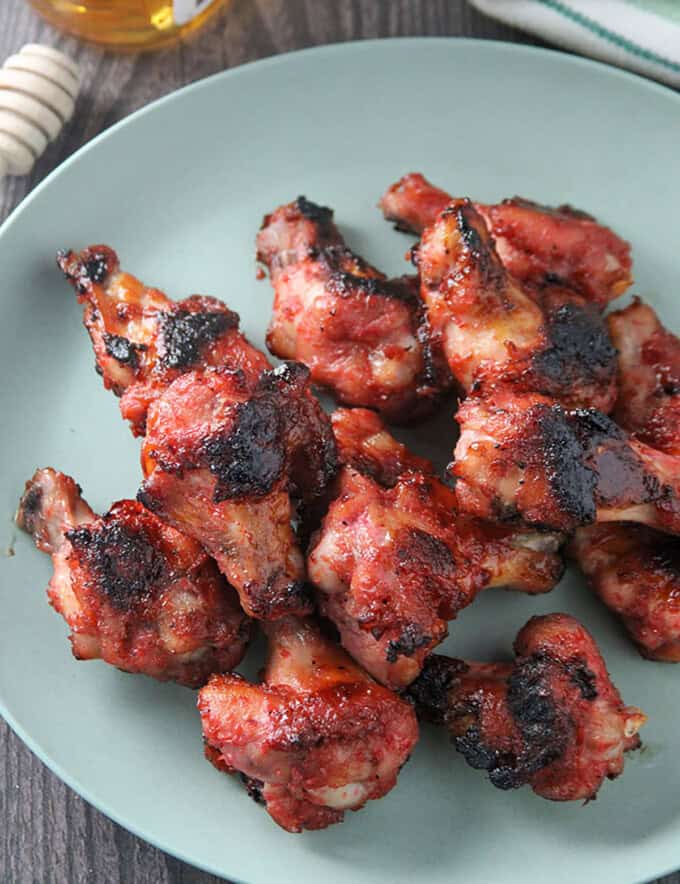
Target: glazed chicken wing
(649, 377)
(135, 592)
(142, 340)
(636, 573)
(412, 203)
(316, 738)
(494, 332)
(221, 462)
(365, 444)
(537, 244)
(527, 457)
(393, 566)
(364, 337)
(552, 719)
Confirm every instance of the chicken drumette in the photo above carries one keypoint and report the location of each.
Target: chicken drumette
(538, 244)
(221, 461)
(394, 561)
(552, 719)
(649, 377)
(364, 337)
(135, 592)
(523, 456)
(142, 340)
(636, 573)
(494, 330)
(316, 738)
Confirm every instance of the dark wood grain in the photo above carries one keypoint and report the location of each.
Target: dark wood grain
(48, 835)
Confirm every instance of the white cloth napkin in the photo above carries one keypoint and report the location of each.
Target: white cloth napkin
(643, 35)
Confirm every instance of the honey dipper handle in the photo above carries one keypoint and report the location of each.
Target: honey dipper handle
(38, 89)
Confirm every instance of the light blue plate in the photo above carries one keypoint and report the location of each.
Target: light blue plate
(179, 190)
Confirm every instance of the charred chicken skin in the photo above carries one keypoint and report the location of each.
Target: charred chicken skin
(552, 719)
(649, 377)
(316, 738)
(364, 337)
(537, 244)
(494, 332)
(142, 340)
(135, 592)
(636, 573)
(523, 456)
(222, 463)
(394, 565)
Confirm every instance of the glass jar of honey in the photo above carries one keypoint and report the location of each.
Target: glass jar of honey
(128, 24)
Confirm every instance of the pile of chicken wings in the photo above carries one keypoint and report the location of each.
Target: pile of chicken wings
(347, 550)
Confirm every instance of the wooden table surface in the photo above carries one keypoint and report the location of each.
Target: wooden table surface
(48, 835)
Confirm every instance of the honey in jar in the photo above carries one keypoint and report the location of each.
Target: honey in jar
(128, 24)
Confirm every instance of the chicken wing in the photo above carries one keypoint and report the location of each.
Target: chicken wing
(316, 738)
(142, 340)
(365, 444)
(493, 332)
(135, 592)
(649, 377)
(636, 573)
(393, 566)
(527, 457)
(364, 337)
(221, 462)
(537, 244)
(552, 719)
(412, 203)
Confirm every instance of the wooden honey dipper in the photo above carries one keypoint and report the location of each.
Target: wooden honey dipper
(38, 89)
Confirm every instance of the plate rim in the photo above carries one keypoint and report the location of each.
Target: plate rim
(660, 838)
(348, 45)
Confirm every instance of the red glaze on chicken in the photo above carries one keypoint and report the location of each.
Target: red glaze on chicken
(552, 719)
(413, 204)
(142, 340)
(649, 377)
(316, 738)
(527, 457)
(537, 244)
(221, 462)
(493, 332)
(393, 566)
(135, 592)
(365, 444)
(364, 337)
(636, 573)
